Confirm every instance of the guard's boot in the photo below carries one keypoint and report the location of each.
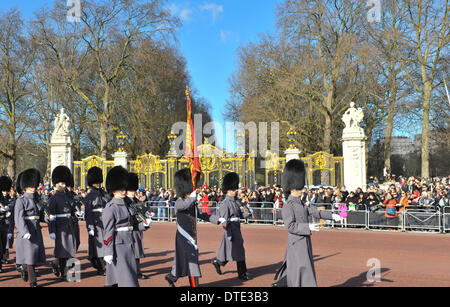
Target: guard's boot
(242, 271)
(216, 264)
(171, 280)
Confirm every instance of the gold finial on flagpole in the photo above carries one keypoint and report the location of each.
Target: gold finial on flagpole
(188, 91)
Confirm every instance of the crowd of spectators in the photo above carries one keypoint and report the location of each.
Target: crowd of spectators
(392, 197)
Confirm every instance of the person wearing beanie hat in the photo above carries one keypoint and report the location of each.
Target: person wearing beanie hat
(185, 262)
(94, 204)
(30, 250)
(62, 225)
(131, 200)
(5, 218)
(118, 226)
(298, 267)
(232, 246)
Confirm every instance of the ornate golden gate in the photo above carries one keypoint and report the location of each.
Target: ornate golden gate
(322, 168)
(80, 169)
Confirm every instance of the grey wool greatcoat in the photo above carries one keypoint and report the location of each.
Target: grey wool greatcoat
(11, 226)
(94, 206)
(299, 264)
(137, 235)
(186, 250)
(32, 251)
(65, 229)
(120, 244)
(232, 246)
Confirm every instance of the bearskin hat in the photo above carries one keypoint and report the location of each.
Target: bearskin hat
(5, 183)
(230, 182)
(30, 179)
(116, 179)
(183, 182)
(18, 188)
(61, 174)
(133, 182)
(294, 176)
(94, 175)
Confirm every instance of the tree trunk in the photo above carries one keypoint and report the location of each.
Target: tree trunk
(426, 131)
(11, 169)
(389, 129)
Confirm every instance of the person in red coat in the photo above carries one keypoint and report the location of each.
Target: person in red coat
(391, 213)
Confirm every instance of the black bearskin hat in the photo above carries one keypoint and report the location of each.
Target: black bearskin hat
(294, 176)
(230, 182)
(5, 183)
(183, 182)
(133, 182)
(116, 179)
(94, 175)
(18, 188)
(30, 179)
(62, 174)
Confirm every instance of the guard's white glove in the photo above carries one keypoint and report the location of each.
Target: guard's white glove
(222, 220)
(52, 236)
(27, 236)
(91, 233)
(10, 235)
(337, 218)
(52, 218)
(314, 227)
(78, 214)
(108, 259)
(194, 194)
(148, 222)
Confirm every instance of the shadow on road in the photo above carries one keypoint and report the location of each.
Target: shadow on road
(361, 280)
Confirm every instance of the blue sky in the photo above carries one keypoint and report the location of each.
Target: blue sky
(212, 31)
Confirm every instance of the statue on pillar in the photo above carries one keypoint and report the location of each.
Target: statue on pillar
(62, 123)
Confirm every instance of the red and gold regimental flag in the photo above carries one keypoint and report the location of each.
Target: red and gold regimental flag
(191, 145)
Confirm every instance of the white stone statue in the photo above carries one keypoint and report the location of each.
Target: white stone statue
(353, 117)
(62, 124)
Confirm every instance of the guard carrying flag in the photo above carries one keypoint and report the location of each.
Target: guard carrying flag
(185, 262)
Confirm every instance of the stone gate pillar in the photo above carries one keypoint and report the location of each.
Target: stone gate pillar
(61, 143)
(354, 149)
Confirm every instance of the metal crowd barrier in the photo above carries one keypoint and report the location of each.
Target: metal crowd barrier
(265, 213)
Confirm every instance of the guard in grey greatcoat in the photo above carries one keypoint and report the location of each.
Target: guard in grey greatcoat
(62, 227)
(118, 229)
(19, 192)
(5, 218)
(30, 250)
(298, 267)
(94, 204)
(186, 248)
(232, 246)
(133, 186)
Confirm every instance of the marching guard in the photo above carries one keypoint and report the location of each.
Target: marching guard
(5, 219)
(232, 246)
(133, 186)
(30, 250)
(121, 270)
(186, 248)
(298, 267)
(62, 226)
(94, 205)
